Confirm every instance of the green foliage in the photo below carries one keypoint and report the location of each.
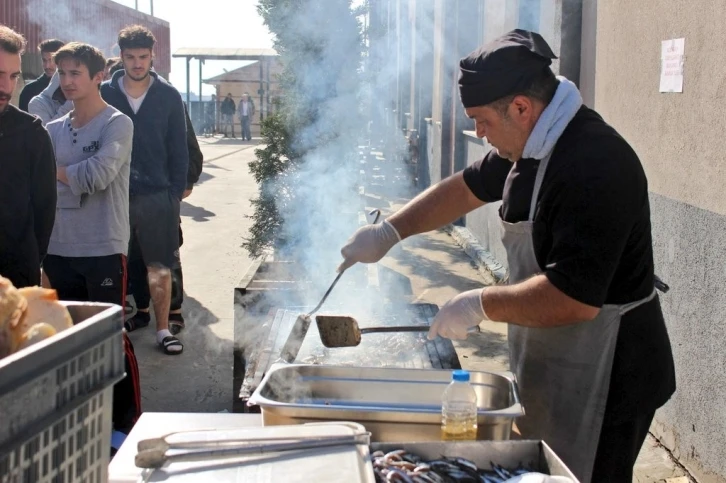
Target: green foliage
(274, 158)
(308, 37)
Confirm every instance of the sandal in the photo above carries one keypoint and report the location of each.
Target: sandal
(136, 322)
(176, 323)
(171, 341)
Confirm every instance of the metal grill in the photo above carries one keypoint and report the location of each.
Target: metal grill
(407, 350)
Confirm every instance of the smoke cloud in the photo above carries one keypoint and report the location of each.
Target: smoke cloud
(369, 107)
(358, 109)
(96, 22)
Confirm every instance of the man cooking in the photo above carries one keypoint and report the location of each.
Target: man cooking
(587, 338)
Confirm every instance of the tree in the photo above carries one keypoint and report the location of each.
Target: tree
(314, 130)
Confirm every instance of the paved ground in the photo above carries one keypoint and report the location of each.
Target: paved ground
(214, 224)
(200, 380)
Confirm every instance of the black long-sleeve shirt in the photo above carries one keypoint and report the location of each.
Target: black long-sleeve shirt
(32, 89)
(27, 195)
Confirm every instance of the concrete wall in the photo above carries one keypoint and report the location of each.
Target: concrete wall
(680, 140)
(484, 222)
(588, 52)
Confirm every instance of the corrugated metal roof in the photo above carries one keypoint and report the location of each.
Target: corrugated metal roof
(246, 73)
(96, 22)
(213, 53)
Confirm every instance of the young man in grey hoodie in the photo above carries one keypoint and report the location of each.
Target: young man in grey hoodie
(87, 254)
(51, 103)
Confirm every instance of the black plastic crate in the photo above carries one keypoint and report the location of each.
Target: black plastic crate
(56, 401)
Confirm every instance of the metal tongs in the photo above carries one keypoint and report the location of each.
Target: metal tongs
(154, 452)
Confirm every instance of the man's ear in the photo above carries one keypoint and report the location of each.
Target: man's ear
(522, 106)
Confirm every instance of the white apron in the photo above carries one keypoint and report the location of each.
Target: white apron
(564, 372)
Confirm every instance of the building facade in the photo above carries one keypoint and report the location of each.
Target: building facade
(612, 50)
(96, 22)
(247, 79)
(680, 140)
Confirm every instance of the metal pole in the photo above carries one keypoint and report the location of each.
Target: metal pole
(200, 111)
(268, 61)
(152, 7)
(188, 86)
(262, 90)
(136, 4)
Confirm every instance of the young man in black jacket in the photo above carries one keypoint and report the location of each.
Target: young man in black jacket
(137, 270)
(28, 180)
(159, 162)
(47, 49)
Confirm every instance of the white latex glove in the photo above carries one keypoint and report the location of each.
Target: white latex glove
(369, 244)
(458, 315)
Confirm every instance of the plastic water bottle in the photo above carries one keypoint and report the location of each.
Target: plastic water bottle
(458, 409)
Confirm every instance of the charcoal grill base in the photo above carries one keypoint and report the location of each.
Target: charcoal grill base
(273, 329)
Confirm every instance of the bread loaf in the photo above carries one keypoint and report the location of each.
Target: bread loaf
(29, 315)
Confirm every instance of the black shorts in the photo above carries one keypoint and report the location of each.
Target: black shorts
(88, 279)
(155, 228)
(101, 279)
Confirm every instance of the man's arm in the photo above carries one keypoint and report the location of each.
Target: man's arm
(534, 303)
(97, 172)
(176, 147)
(196, 158)
(46, 109)
(441, 204)
(44, 193)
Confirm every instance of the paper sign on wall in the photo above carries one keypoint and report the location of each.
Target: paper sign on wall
(671, 65)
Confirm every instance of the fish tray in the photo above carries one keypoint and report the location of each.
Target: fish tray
(531, 454)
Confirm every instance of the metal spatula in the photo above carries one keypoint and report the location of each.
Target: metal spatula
(343, 331)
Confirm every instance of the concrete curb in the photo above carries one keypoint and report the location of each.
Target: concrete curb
(485, 262)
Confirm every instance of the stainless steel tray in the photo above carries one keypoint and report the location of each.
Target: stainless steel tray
(532, 454)
(393, 404)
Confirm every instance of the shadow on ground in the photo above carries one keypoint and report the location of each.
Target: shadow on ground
(196, 213)
(201, 377)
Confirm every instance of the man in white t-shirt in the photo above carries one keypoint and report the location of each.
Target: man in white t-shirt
(158, 180)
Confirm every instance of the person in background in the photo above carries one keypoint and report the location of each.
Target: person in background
(115, 67)
(86, 258)
(227, 109)
(159, 163)
(110, 63)
(27, 183)
(210, 117)
(34, 88)
(246, 110)
(50, 104)
(138, 285)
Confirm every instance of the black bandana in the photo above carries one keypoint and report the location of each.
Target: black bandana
(503, 67)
